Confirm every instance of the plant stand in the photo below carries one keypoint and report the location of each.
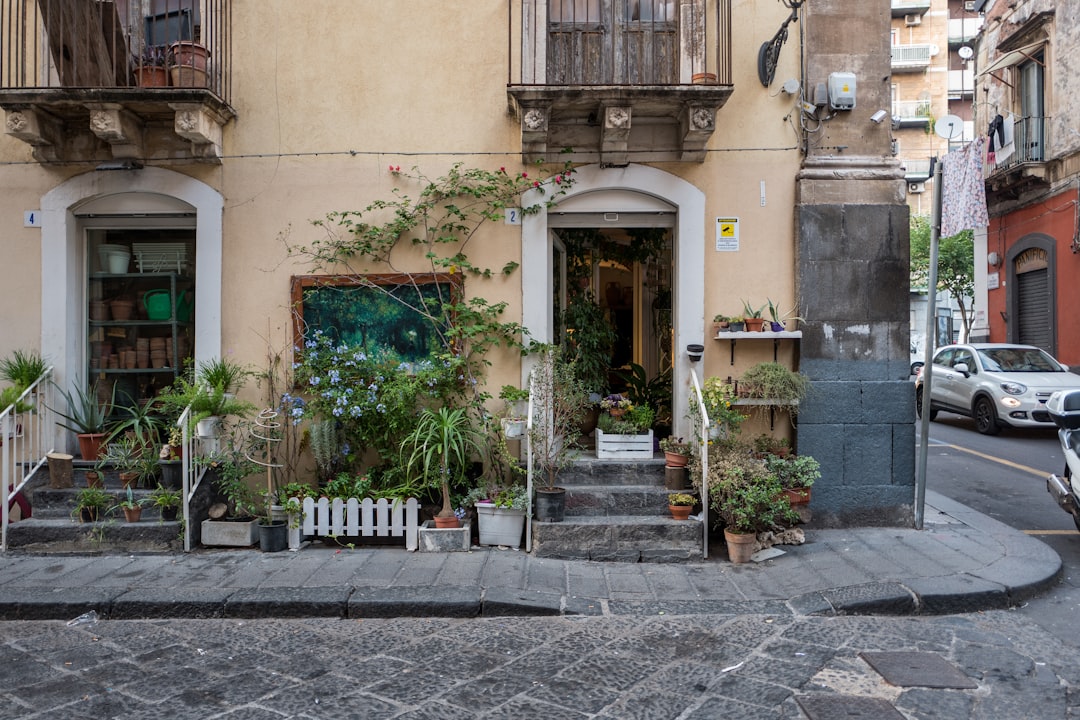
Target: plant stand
(624, 447)
(500, 526)
(434, 539)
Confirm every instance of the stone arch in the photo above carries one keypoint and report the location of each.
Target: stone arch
(633, 186)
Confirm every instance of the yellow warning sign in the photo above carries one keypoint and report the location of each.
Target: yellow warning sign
(727, 234)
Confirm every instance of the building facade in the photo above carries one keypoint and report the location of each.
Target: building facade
(750, 152)
(1027, 111)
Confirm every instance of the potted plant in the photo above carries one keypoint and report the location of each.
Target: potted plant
(517, 406)
(676, 451)
(796, 474)
(187, 64)
(590, 341)
(746, 497)
(500, 513)
(721, 323)
(273, 532)
(766, 444)
(626, 436)
(124, 456)
(87, 416)
(91, 504)
(141, 420)
(752, 317)
(131, 507)
(776, 385)
(209, 399)
(681, 505)
(22, 369)
(234, 516)
(150, 67)
(439, 449)
(167, 501)
(170, 460)
(778, 320)
(718, 396)
(561, 399)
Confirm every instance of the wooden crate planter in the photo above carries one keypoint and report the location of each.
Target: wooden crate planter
(381, 518)
(624, 447)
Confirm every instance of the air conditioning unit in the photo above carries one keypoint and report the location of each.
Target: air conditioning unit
(911, 20)
(916, 187)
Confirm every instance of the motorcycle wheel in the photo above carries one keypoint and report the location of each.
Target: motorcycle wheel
(985, 417)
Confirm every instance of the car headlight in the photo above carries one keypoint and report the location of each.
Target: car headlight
(1014, 388)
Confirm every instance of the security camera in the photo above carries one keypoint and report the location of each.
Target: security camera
(879, 116)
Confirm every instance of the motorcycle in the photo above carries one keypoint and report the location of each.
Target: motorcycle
(1064, 409)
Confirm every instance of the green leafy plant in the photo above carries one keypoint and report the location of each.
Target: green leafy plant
(638, 419)
(224, 373)
(718, 395)
(129, 502)
(561, 399)
(141, 419)
(86, 413)
(9, 397)
(743, 494)
(439, 449)
(346, 485)
(782, 318)
(512, 394)
(778, 384)
(794, 471)
(590, 341)
(678, 446)
(681, 499)
(770, 444)
(751, 312)
(21, 368)
(164, 498)
(96, 501)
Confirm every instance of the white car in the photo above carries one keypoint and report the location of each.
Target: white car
(995, 384)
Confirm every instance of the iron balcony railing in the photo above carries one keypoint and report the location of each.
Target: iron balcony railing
(1030, 143)
(110, 43)
(620, 42)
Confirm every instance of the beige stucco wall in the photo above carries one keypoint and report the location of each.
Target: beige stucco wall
(422, 85)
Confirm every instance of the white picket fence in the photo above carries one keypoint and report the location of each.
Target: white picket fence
(380, 518)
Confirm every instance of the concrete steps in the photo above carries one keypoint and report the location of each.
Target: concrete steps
(617, 511)
(53, 528)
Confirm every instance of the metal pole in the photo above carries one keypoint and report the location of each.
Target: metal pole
(928, 351)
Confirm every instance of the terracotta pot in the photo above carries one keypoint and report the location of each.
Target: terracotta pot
(740, 546)
(797, 496)
(675, 459)
(132, 515)
(616, 412)
(122, 309)
(150, 76)
(704, 78)
(680, 512)
(90, 445)
(754, 324)
(447, 522)
(94, 479)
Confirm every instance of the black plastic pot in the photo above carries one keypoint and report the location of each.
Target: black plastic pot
(274, 536)
(172, 473)
(550, 504)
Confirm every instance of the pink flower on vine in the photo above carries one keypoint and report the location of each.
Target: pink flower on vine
(524, 175)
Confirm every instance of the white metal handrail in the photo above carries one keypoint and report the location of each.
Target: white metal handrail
(25, 443)
(189, 482)
(529, 465)
(704, 447)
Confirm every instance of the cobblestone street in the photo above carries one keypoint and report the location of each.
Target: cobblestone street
(690, 667)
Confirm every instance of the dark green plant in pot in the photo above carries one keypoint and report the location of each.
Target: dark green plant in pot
(86, 413)
(92, 504)
(440, 447)
(590, 341)
(21, 369)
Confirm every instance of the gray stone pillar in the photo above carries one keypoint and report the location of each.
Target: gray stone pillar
(852, 282)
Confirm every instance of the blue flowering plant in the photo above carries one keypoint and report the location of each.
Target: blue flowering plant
(373, 404)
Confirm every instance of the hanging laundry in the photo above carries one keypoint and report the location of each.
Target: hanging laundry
(995, 135)
(1006, 146)
(963, 193)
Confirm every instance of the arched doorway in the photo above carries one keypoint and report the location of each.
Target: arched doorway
(74, 215)
(635, 191)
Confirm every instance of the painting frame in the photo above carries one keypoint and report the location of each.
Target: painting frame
(372, 311)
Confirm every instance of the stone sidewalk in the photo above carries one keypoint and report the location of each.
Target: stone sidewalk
(961, 561)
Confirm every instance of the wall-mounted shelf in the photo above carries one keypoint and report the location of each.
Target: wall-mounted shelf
(776, 337)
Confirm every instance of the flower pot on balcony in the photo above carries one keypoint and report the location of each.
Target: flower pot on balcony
(704, 78)
(150, 76)
(187, 64)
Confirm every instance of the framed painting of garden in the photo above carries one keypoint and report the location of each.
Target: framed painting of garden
(393, 317)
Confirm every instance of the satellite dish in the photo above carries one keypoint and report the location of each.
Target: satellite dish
(965, 52)
(949, 127)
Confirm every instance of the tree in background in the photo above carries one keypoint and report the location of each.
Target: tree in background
(956, 265)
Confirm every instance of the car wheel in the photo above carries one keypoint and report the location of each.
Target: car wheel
(915, 367)
(985, 417)
(918, 405)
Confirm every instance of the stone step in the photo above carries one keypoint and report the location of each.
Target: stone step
(591, 471)
(598, 500)
(49, 502)
(619, 538)
(55, 535)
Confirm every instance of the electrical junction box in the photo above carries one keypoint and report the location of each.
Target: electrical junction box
(842, 91)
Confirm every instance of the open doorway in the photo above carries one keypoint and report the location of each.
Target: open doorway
(612, 293)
